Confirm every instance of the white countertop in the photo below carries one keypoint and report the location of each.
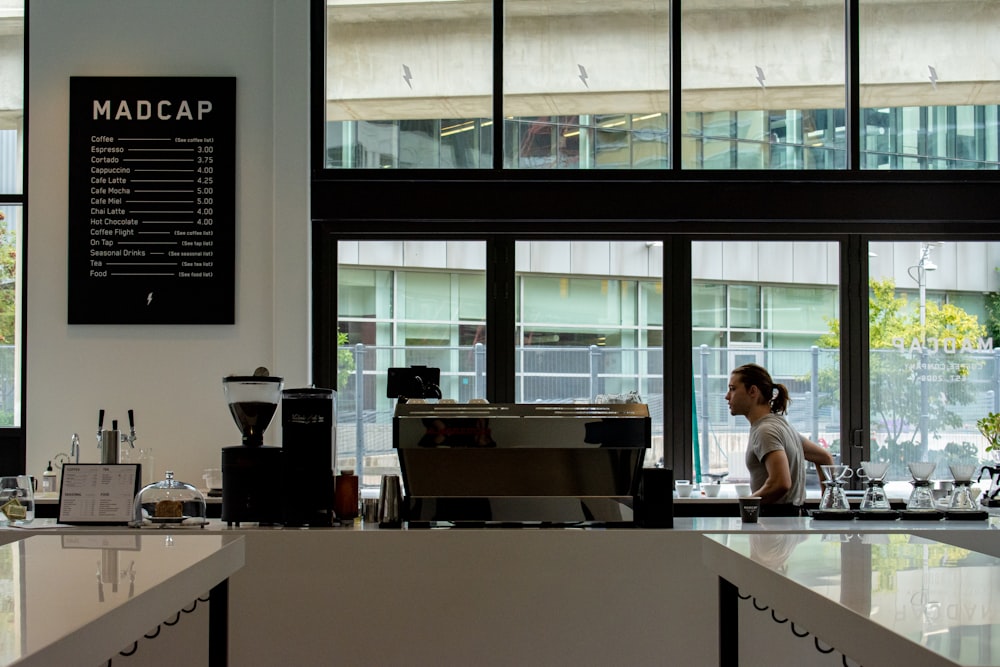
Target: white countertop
(79, 598)
(881, 599)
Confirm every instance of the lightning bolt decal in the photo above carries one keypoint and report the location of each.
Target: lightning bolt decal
(407, 77)
(149, 298)
(932, 75)
(583, 75)
(760, 77)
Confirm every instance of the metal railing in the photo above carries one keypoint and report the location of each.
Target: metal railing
(581, 374)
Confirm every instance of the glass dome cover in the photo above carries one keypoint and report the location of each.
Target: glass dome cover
(169, 503)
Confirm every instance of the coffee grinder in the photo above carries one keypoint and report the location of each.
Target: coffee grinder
(250, 471)
(309, 449)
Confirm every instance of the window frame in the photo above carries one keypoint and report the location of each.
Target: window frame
(852, 206)
(13, 441)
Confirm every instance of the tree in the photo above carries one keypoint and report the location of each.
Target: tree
(993, 313)
(8, 273)
(345, 361)
(903, 356)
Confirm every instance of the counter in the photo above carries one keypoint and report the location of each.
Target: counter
(502, 596)
(55, 610)
(911, 600)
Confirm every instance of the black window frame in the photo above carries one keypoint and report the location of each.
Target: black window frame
(675, 206)
(13, 441)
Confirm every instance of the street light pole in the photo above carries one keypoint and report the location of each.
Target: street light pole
(923, 266)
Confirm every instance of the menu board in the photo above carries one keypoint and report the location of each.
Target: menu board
(98, 493)
(152, 200)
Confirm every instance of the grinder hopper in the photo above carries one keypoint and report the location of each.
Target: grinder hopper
(252, 401)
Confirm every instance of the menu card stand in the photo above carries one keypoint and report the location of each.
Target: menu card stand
(98, 494)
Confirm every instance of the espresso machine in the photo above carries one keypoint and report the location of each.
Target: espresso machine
(251, 473)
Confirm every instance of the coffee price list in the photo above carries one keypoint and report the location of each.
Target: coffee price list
(152, 200)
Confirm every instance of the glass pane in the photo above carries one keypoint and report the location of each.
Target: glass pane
(764, 85)
(11, 224)
(585, 84)
(409, 86)
(795, 314)
(589, 322)
(11, 212)
(11, 95)
(403, 304)
(929, 84)
(933, 319)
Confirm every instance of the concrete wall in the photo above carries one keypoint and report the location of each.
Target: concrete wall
(624, 48)
(170, 375)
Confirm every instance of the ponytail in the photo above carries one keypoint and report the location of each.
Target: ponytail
(776, 394)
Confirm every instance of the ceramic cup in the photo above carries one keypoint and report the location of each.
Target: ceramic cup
(684, 488)
(711, 489)
(742, 490)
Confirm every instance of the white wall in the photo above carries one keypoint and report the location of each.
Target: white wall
(170, 375)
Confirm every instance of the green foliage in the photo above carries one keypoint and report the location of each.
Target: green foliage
(8, 267)
(993, 313)
(989, 426)
(888, 560)
(345, 360)
(896, 373)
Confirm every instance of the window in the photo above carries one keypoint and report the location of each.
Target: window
(589, 324)
(933, 327)
(401, 304)
(693, 187)
(781, 322)
(929, 103)
(12, 226)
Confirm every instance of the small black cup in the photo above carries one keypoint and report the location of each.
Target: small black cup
(749, 509)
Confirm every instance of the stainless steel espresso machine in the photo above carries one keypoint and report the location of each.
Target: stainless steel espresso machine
(521, 464)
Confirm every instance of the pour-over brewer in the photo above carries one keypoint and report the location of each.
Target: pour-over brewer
(875, 501)
(921, 503)
(834, 499)
(251, 471)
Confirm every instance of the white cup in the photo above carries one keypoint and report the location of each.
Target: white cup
(711, 489)
(742, 490)
(684, 488)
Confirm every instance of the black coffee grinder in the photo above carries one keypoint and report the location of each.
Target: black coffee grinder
(309, 450)
(251, 472)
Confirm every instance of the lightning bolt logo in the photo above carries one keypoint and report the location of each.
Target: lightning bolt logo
(760, 77)
(149, 298)
(583, 76)
(932, 75)
(407, 77)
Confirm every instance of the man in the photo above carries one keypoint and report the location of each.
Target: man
(776, 452)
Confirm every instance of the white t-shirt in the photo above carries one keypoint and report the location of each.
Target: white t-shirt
(769, 434)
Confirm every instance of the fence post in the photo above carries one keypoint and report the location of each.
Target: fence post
(480, 369)
(996, 380)
(359, 409)
(704, 434)
(814, 388)
(595, 356)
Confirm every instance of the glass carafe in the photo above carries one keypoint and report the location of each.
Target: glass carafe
(961, 496)
(874, 499)
(834, 499)
(922, 498)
